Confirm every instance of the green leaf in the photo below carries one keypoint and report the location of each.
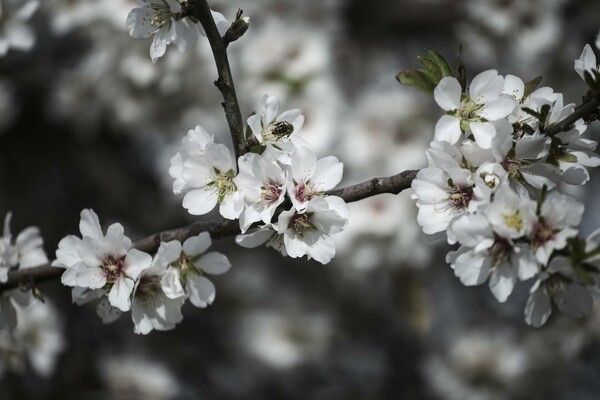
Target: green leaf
(541, 199)
(583, 273)
(566, 157)
(431, 67)
(435, 67)
(440, 62)
(545, 110)
(531, 86)
(532, 112)
(577, 246)
(419, 79)
(596, 78)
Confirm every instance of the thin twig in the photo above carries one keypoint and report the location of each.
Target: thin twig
(393, 184)
(588, 108)
(201, 10)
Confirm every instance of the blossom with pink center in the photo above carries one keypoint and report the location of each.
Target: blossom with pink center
(98, 261)
(309, 178)
(263, 185)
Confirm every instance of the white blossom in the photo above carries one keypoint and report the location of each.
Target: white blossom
(558, 220)
(485, 254)
(98, 261)
(475, 111)
(443, 190)
(263, 184)
(557, 285)
(151, 308)
(309, 233)
(510, 216)
(571, 152)
(14, 31)
(586, 62)
(515, 87)
(187, 266)
(265, 235)
(309, 178)
(210, 178)
(192, 145)
(162, 19)
(272, 127)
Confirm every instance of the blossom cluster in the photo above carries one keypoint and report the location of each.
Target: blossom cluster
(277, 190)
(107, 268)
(492, 186)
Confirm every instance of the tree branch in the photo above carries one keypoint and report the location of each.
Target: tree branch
(218, 229)
(588, 108)
(201, 10)
(393, 184)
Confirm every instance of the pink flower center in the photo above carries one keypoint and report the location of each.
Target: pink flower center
(542, 233)
(271, 192)
(113, 268)
(304, 192)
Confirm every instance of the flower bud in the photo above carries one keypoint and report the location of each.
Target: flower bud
(237, 29)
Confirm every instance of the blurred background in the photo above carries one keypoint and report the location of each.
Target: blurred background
(87, 121)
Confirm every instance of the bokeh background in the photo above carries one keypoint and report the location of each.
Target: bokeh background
(87, 121)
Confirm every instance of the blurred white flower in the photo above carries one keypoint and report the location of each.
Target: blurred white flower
(39, 334)
(480, 365)
(33, 335)
(132, 377)
(25, 252)
(67, 15)
(14, 31)
(284, 340)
